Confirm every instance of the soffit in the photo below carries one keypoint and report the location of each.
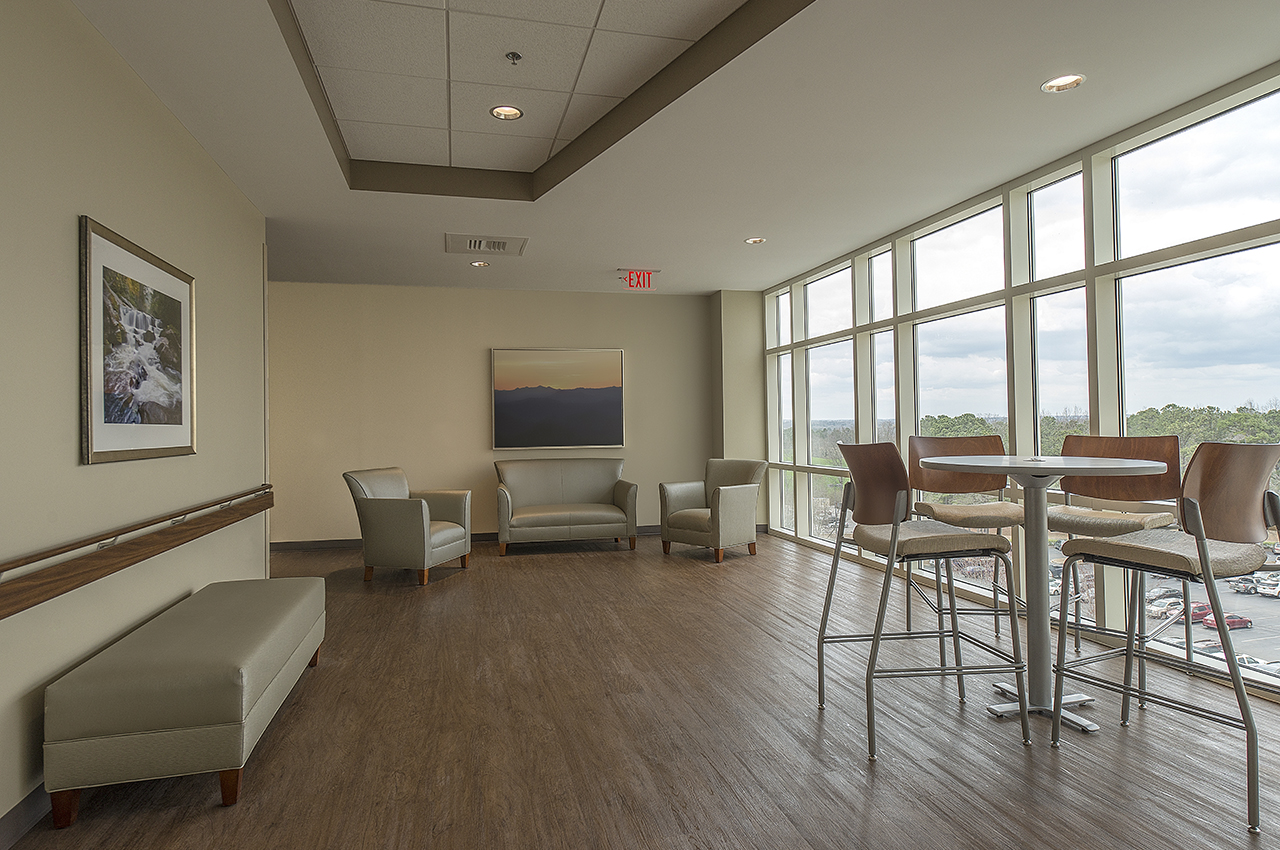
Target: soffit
(412, 85)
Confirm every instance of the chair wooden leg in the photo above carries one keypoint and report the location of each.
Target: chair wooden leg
(502, 549)
(751, 547)
(422, 577)
(368, 573)
(666, 547)
(719, 555)
(230, 781)
(465, 560)
(617, 540)
(632, 539)
(66, 805)
(315, 659)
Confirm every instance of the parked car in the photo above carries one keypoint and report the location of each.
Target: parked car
(1167, 607)
(1241, 659)
(1199, 610)
(1055, 586)
(1269, 585)
(1158, 593)
(1244, 584)
(1233, 621)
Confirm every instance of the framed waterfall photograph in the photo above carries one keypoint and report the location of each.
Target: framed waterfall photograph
(553, 398)
(137, 355)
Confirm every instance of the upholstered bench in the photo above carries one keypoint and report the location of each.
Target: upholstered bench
(190, 691)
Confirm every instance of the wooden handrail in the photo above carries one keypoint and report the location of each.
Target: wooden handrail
(128, 529)
(52, 581)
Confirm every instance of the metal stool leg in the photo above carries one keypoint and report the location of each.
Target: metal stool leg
(831, 586)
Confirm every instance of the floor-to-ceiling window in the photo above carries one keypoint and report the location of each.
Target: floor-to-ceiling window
(1131, 289)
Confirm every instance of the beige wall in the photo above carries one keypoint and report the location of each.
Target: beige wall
(366, 376)
(81, 134)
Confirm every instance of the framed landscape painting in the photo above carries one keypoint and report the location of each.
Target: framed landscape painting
(137, 373)
(557, 398)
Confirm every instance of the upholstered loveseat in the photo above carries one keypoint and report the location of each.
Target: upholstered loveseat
(573, 498)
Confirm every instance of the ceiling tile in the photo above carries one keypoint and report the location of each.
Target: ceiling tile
(584, 110)
(670, 18)
(560, 145)
(386, 98)
(618, 63)
(428, 4)
(393, 143)
(373, 36)
(471, 102)
(478, 45)
(506, 153)
(578, 13)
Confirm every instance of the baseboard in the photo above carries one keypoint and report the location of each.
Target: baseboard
(19, 820)
(284, 545)
(483, 537)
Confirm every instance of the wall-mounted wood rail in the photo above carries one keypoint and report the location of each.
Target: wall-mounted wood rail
(44, 584)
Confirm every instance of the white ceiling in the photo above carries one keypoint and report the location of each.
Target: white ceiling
(849, 121)
(415, 82)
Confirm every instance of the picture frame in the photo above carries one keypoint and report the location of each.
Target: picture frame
(557, 398)
(137, 351)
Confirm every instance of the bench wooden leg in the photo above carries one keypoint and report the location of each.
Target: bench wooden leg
(230, 781)
(368, 573)
(502, 549)
(66, 805)
(315, 659)
(465, 559)
(751, 547)
(719, 555)
(617, 540)
(666, 547)
(422, 576)
(633, 541)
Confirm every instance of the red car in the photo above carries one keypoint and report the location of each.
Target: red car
(1233, 621)
(1199, 610)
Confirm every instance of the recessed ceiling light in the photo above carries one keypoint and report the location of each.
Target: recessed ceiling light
(754, 240)
(479, 264)
(1064, 83)
(506, 113)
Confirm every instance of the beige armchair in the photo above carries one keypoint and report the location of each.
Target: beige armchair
(409, 530)
(717, 512)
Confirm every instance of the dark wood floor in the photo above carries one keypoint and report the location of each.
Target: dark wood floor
(582, 695)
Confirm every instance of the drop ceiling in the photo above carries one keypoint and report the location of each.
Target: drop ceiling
(844, 122)
(410, 93)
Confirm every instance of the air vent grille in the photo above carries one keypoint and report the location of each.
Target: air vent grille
(464, 243)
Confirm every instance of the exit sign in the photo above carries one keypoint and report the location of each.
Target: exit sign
(638, 278)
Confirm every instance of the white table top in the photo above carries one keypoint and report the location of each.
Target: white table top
(1048, 467)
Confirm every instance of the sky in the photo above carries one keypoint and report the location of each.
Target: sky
(561, 370)
(1195, 335)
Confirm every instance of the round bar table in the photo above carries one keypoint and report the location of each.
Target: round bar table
(1035, 475)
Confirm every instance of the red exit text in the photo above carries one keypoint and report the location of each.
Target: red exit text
(637, 279)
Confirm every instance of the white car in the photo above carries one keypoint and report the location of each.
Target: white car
(1269, 585)
(1167, 607)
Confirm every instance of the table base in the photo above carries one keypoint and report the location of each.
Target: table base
(1075, 721)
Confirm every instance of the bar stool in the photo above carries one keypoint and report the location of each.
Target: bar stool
(1081, 521)
(1226, 510)
(878, 497)
(996, 516)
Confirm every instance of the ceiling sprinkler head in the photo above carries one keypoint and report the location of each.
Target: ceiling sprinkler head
(514, 57)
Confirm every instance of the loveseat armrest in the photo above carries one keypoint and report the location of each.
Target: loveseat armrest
(448, 506)
(395, 532)
(624, 496)
(504, 514)
(733, 514)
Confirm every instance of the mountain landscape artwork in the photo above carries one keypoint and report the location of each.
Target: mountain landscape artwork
(555, 398)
